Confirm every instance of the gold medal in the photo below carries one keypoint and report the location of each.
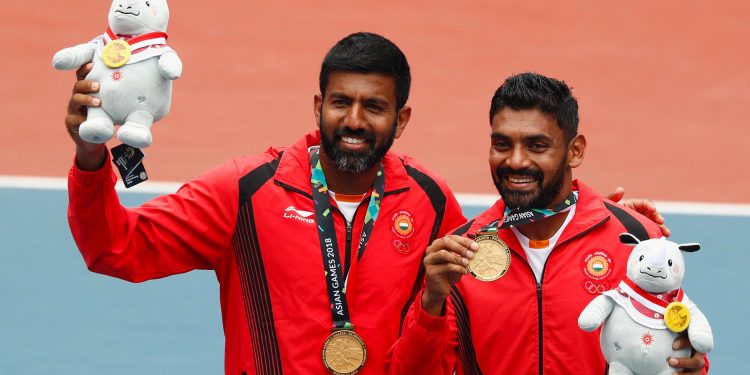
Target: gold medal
(344, 352)
(116, 53)
(492, 260)
(677, 317)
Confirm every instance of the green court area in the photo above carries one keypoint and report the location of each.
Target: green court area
(57, 317)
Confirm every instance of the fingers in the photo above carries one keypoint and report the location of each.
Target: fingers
(462, 246)
(81, 89)
(681, 342)
(86, 87)
(617, 195)
(78, 106)
(83, 71)
(692, 365)
(444, 256)
(445, 264)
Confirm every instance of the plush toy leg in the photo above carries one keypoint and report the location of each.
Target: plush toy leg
(136, 131)
(98, 127)
(617, 368)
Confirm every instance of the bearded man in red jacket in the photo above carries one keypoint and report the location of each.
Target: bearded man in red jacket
(536, 258)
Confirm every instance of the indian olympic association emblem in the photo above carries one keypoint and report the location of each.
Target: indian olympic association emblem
(116, 75)
(597, 266)
(403, 224)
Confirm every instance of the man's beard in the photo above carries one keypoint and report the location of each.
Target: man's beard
(541, 197)
(351, 161)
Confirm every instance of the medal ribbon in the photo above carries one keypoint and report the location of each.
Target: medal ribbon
(645, 298)
(515, 217)
(327, 235)
(140, 41)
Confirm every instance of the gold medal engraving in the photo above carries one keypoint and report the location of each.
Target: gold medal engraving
(492, 260)
(116, 53)
(677, 317)
(344, 352)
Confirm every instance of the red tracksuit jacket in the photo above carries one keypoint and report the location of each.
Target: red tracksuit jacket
(250, 220)
(515, 325)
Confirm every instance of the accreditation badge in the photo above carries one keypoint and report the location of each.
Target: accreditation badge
(116, 53)
(677, 317)
(492, 260)
(344, 352)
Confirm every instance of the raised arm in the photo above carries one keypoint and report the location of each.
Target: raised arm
(175, 233)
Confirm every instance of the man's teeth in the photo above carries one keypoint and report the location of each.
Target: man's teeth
(519, 180)
(353, 141)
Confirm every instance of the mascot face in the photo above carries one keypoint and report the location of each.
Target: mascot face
(136, 17)
(657, 265)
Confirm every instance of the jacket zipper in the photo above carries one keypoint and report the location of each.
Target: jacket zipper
(292, 188)
(539, 291)
(539, 313)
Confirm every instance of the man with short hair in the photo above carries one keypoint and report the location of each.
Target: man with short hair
(299, 236)
(536, 258)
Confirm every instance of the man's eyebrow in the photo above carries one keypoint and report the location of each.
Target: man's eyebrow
(338, 95)
(538, 138)
(379, 101)
(496, 135)
(529, 139)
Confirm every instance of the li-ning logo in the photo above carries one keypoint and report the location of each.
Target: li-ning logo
(293, 213)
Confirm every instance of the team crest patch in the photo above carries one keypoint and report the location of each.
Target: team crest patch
(403, 224)
(597, 264)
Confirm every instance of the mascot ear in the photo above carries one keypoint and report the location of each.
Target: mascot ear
(629, 239)
(689, 247)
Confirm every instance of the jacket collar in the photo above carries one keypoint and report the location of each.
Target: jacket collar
(294, 166)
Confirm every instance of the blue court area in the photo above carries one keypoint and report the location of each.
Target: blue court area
(56, 317)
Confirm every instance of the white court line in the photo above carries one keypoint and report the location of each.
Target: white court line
(57, 183)
(483, 200)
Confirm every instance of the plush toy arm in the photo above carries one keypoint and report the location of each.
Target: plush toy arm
(595, 313)
(74, 57)
(699, 331)
(170, 66)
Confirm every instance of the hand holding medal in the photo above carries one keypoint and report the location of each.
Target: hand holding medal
(445, 263)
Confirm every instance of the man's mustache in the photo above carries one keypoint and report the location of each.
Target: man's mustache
(367, 136)
(503, 171)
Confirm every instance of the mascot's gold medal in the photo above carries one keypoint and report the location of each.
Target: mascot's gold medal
(492, 260)
(677, 317)
(344, 352)
(116, 53)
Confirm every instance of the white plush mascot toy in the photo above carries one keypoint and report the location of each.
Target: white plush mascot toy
(135, 69)
(642, 317)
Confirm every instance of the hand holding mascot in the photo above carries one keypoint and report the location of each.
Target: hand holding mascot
(641, 318)
(134, 67)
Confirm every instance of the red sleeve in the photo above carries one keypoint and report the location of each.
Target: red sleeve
(427, 344)
(708, 365)
(170, 234)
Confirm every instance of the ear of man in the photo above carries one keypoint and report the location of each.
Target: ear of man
(576, 150)
(403, 118)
